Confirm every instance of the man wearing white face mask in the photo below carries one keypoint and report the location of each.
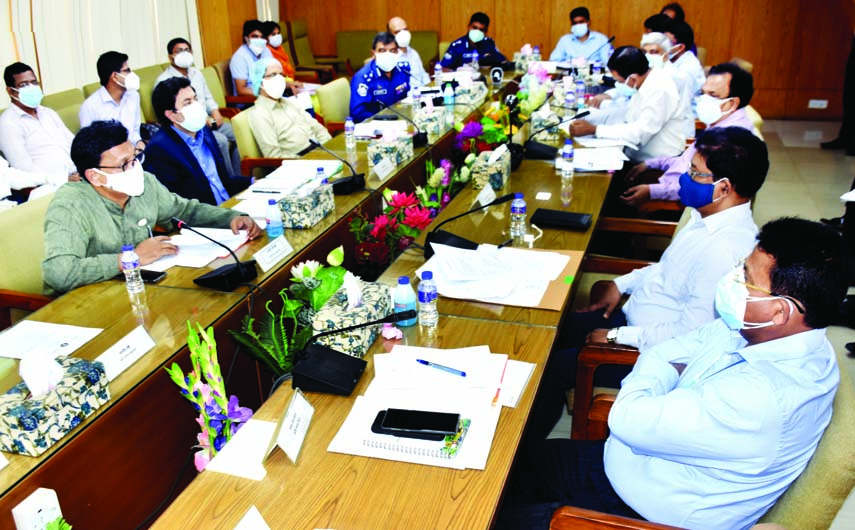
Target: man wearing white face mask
(282, 129)
(397, 26)
(183, 154)
(682, 41)
(254, 49)
(476, 42)
(582, 41)
(33, 138)
(383, 79)
(713, 426)
(726, 92)
(181, 65)
(88, 222)
(118, 98)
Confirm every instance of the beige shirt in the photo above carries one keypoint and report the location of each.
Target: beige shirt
(282, 129)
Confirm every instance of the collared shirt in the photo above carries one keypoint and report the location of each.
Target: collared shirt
(677, 294)
(40, 145)
(689, 64)
(101, 106)
(419, 77)
(84, 231)
(594, 48)
(206, 161)
(715, 447)
(282, 129)
(370, 84)
(197, 81)
(15, 179)
(242, 61)
(668, 187)
(652, 119)
(461, 51)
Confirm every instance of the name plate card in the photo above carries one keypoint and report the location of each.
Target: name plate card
(292, 428)
(273, 253)
(486, 196)
(126, 352)
(252, 520)
(384, 169)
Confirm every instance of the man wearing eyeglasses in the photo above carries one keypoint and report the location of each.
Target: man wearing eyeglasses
(33, 138)
(116, 204)
(118, 98)
(675, 295)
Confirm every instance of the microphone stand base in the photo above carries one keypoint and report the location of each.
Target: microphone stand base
(348, 185)
(446, 238)
(327, 371)
(538, 151)
(420, 139)
(228, 277)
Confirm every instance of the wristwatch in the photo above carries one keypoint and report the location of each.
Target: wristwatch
(611, 335)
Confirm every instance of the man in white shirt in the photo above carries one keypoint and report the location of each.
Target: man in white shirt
(181, 65)
(675, 295)
(397, 26)
(16, 179)
(711, 427)
(33, 138)
(682, 41)
(117, 99)
(582, 42)
(652, 120)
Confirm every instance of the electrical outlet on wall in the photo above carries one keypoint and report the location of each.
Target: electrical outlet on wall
(818, 104)
(37, 510)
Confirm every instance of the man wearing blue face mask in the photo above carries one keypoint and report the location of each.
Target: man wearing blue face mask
(254, 48)
(675, 295)
(582, 41)
(475, 43)
(652, 121)
(383, 79)
(711, 427)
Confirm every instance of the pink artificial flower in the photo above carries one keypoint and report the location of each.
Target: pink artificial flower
(382, 224)
(445, 164)
(204, 389)
(446, 198)
(417, 218)
(402, 201)
(201, 459)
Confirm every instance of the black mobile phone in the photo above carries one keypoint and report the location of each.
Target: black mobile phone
(377, 427)
(147, 276)
(444, 423)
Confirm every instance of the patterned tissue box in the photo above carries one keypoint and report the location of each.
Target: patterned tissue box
(307, 211)
(495, 174)
(30, 426)
(396, 151)
(538, 122)
(522, 61)
(376, 303)
(431, 122)
(472, 95)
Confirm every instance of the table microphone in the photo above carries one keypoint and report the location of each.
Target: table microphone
(540, 151)
(442, 237)
(595, 52)
(318, 368)
(420, 139)
(346, 185)
(227, 277)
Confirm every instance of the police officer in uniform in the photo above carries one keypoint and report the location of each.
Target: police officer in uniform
(385, 78)
(462, 50)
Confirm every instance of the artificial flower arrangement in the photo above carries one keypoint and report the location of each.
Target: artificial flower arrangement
(485, 135)
(219, 418)
(281, 336)
(443, 183)
(535, 87)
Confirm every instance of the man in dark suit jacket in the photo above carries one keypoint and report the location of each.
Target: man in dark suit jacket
(184, 154)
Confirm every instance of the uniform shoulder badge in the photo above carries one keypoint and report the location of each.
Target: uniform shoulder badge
(362, 90)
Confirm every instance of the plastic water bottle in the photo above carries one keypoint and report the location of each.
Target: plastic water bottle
(274, 219)
(448, 96)
(518, 228)
(405, 299)
(417, 98)
(475, 58)
(437, 75)
(535, 53)
(320, 176)
(349, 134)
(131, 268)
(428, 315)
(567, 159)
(580, 93)
(570, 100)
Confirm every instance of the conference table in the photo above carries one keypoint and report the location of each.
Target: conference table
(119, 466)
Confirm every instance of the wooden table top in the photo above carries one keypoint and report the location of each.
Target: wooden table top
(329, 490)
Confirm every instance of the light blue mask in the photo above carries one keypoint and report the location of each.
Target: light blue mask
(625, 90)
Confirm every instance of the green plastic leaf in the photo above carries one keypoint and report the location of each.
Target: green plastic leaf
(336, 256)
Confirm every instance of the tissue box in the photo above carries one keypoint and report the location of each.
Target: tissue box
(471, 95)
(538, 122)
(396, 151)
(376, 303)
(431, 122)
(307, 211)
(522, 61)
(30, 426)
(495, 174)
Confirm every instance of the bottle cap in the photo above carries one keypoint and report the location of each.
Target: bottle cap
(427, 275)
(127, 248)
(404, 280)
(271, 202)
(518, 195)
(348, 119)
(568, 141)
(320, 170)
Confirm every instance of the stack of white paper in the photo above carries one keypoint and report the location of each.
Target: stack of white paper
(196, 251)
(507, 276)
(599, 159)
(30, 336)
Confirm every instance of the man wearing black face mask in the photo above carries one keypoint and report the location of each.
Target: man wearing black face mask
(675, 295)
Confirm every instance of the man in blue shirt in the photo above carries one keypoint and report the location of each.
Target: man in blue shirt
(581, 41)
(383, 79)
(183, 154)
(711, 427)
(254, 47)
(463, 50)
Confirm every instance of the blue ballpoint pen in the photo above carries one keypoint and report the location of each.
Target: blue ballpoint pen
(441, 367)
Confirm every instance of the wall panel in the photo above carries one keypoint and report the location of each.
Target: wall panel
(421, 15)
(797, 104)
(763, 33)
